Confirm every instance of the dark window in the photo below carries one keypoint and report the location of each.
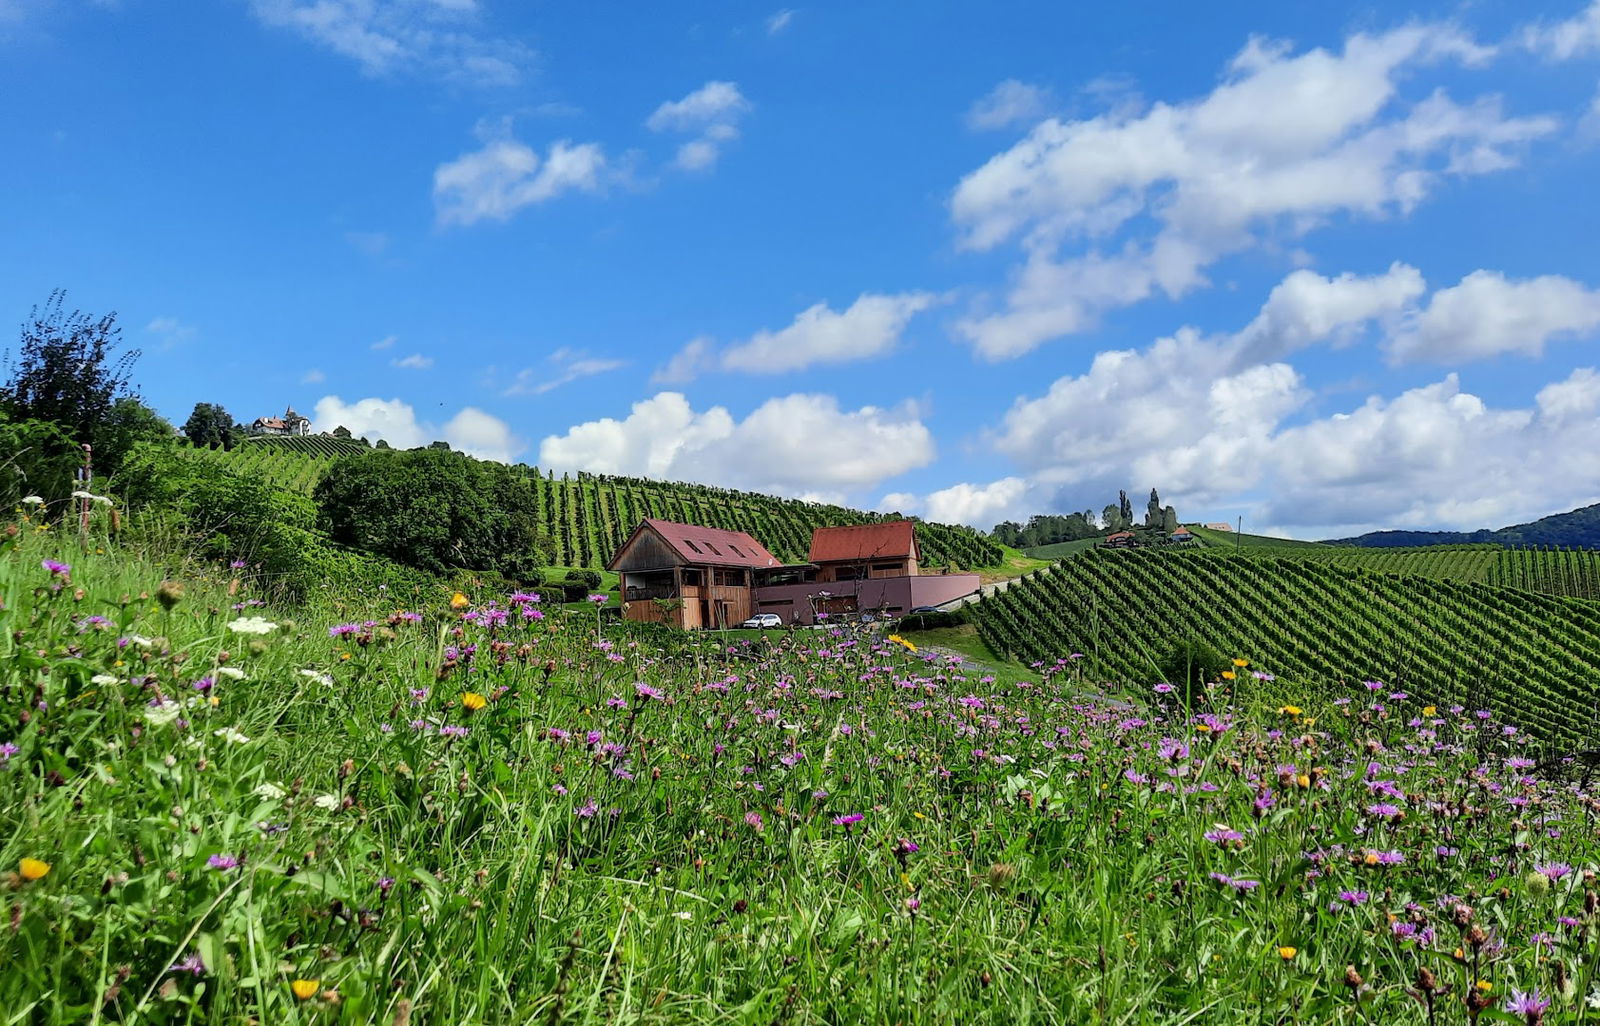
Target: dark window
(736, 551)
(692, 545)
(713, 549)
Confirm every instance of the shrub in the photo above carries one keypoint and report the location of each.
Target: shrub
(574, 591)
(944, 618)
(590, 578)
(1192, 661)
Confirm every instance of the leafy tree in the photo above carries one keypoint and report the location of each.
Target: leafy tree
(1152, 510)
(68, 369)
(1125, 509)
(341, 432)
(1169, 519)
(1111, 518)
(1192, 661)
(36, 458)
(210, 426)
(434, 510)
(129, 423)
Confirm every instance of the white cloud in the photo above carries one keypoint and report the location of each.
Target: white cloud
(712, 112)
(794, 445)
(697, 355)
(503, 177)
(170, 330)
(1110, 210)
(416, 361)
(471, 430)
(1009, 103)
(439, 38)
(870, 327)
(384, 343)
(566, 366)
(779, 21)
(313, 377)
(1215, 422)
(1575, 37)
(980, 506)
(1486, 314)
(898, 502)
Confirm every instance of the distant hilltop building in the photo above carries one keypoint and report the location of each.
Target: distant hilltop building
(1219, 527)
(291, 423)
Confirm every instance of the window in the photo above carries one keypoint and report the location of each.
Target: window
(736, 551)
(693, 546)
(712, 547)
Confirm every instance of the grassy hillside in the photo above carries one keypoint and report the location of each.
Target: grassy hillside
(1061, 550)
(1535, 657)
(417, 813)
(1575, 529)
(1233, 540)
(589, 516)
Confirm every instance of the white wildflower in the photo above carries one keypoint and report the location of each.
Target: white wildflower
(231, 672)
(140, 640)
(162, 713)
(33, 500)
(232, 736)
(270, 792)
(252, 625)
(685, 915)
(326, 680)
(105, 679)
(330, 802)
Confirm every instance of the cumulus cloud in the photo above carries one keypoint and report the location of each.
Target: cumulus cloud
(495, 182)
(1225, 421)
(980, 506)
(471, 430)
(1487, 314)
(1009, 103)
(562, 367)
(439, 38)
(712, 112)
(416, 361)
(800, 444)
(869, 327)
(1111, 210)
(385, 342)
(170, 330)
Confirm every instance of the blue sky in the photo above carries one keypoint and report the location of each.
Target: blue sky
(1326, 267)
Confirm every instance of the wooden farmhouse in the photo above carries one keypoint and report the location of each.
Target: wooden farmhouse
(699, 577)
(688, 576)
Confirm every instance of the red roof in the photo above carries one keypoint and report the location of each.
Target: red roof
(709, 546)
(888, 540)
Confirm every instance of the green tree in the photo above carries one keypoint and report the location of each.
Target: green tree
(38, 458)
(68, 369)
(341, 432)
(1111, 518)
(434, 510)
(1152, 510)
(129, 423)
(210, 427)
(1169, 519)
(1125, 509)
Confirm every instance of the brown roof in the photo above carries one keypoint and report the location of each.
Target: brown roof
(864, 541)
(1119, 534)
(708, 546)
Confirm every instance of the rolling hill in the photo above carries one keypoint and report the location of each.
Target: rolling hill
(1536, 658)
(1576, 529)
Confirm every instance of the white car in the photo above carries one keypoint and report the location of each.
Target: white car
(764, 620)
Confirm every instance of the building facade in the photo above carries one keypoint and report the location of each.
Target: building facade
(700, 577)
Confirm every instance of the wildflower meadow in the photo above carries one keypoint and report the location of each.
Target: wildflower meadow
(454, 808)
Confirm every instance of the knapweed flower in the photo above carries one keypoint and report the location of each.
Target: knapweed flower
(1239, 886)
(645, 691)
(1164, 689)
(1553, 871)
(753, 819)
(305, 990)
(1223, 835)
(59, 569)
(33, 869)
(223, 862)
(1528, 1004)
(474, 701)
(599, 600)
(1384, 810)
(848, 819)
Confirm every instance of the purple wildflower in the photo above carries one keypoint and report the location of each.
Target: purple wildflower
(222, 862)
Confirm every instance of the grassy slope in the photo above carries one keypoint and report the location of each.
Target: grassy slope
(1060, 550)
(416, 877)
(1232, 540)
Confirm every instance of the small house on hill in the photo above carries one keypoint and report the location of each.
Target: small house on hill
(1218, 526)
(688, 576)
(1183, 536)
(291, 423)
(1120, 540)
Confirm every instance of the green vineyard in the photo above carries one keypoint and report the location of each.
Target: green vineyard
(589, 516)
(1571, 572)
(1533, 657)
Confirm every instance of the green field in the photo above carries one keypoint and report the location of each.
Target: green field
(588, 517)
(429, 815)
(1535, 657)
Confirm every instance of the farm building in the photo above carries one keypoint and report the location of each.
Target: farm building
(1120, 540)
(1218, 526)
(1182, 536)
(291, 423)
(692, 576)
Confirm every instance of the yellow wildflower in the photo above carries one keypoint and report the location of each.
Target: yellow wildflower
(1241, 663)
(459, 601)
(1228, 675)
(1303, 780)
(1290, 710)
(1485, 986)
(305, 989)
(1430, 710)
(1287, 952)
(33, 869)
(474, 701)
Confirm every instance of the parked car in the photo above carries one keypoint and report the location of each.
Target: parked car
(763, 621)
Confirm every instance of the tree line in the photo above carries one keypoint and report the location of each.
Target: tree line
(1049, 529)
